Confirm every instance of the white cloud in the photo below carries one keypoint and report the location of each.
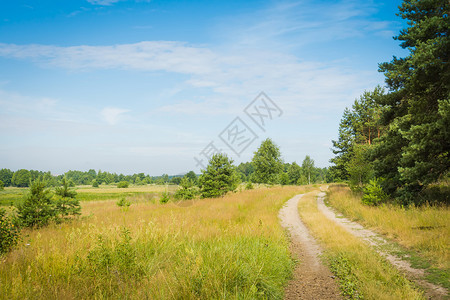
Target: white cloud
(112, 115)
(102, 2)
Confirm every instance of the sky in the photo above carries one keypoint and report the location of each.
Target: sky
(158, 86)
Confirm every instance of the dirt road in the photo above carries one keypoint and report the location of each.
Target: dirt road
(432, 291)
(312, 280)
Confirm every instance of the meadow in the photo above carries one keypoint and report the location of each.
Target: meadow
(231, 247)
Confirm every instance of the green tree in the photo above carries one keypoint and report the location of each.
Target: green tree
(6, 176)
(21, 178)
(267, 163)
(219, 177)
(192, 176)
(294, 173)
(94, 183)
(188, 190)
(414, 152)
(66, 203)
(2, 186)
(308, 167)
(359, 168)
(37, 209)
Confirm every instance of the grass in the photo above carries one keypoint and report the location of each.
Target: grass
(13, 195)
(232, 247)
(361, 271)
(424, 230)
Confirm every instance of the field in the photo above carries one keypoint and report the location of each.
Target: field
(12, 195)
(231, 247)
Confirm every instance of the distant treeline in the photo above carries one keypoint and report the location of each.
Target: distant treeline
(292, 174)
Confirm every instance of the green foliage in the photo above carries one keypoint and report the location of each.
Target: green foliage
(66, 204)
(342, 267)
(359, 168)
(188, 190)
(9, 234)
(308, 167)
(2, 186)
(6, 176)
(123, 202)
(294, 173)
(94, 183)
(249, 186)
(192, 176)
(219, 177)
(123, 184)
(21, 178)
(165, 197)
(373, 193)
(37, 209)
(414, 152)
(267, 163)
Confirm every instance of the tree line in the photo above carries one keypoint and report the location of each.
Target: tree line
(396, 141)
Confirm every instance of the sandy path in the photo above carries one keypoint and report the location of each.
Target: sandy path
(312, 280)
(432, 291)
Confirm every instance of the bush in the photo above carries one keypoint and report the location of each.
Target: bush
(66, 204)
(373, 193)
(123, 202)
(2, 186)
(249, 186)
(9, 234)
(123, 184)
(95, 183)
(164, 198)
(187, 191)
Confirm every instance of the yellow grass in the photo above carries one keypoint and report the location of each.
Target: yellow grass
(425, 229)
(231, 247)
(362, 271)
(131, 189)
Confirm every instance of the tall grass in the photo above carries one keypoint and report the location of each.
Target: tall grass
(361, 271)
(231, 247)
(424, 229)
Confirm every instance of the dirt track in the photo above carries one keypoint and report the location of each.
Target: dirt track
(432, 291)
(312, 280)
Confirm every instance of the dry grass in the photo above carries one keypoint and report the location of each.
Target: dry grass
(424, 229)
(132, 189)
(362, 272)
(232, 247)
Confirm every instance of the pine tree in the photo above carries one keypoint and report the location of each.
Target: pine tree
(219, 177)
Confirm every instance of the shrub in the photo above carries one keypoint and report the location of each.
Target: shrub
(122, 184)
(249, 186)
(9, 234)
(95, 183)
(373, 193)
(164, 198)
(2, 186)
(187, 190)
(123, 202)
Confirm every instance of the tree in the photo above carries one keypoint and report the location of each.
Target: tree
(359, 168)
(66, 204)
(308, 167)
(219, 177)
(94, 183)
(414, 152)
(6, 176)
(187, 190)
(192, 176)
(2, 186)
(21, 178)
(294, 173)
(37, 209)
(267, 162)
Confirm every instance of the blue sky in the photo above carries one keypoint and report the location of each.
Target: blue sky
(145, 86)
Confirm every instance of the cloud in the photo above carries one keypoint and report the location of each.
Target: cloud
(102, 2)
(112, 115)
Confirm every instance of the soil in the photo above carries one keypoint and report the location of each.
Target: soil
(431, 290)
(312, 280)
